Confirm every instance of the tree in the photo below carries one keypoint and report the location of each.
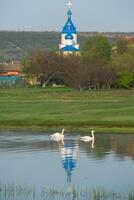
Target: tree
(122, 46)
(125, 79)
(39, 65)
(74, 71)
(108, 77)
(123, 64)
(45, 67)
(96, 54)
(97, 48)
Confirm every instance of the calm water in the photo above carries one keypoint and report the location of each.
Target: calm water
(31, 163)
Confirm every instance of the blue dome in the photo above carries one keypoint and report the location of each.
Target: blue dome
(69, 37)
(69, 27)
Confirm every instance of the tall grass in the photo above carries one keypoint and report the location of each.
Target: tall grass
(27, 192)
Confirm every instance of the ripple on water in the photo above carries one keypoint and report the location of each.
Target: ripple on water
(37, 159)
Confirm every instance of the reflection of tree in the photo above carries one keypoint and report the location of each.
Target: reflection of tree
(102, 145)
(122, 145)
(26, 144)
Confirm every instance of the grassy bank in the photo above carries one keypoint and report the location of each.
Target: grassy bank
(41, 108)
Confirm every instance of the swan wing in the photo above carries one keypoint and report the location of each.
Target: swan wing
(57, 139)
(56, 135)
(86, 138)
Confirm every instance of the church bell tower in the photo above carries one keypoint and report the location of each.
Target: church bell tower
(69, 35)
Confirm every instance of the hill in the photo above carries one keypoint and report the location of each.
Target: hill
(14, 44)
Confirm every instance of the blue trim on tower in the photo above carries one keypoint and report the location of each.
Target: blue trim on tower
(69, 36)
(69, 27)
(69, 48)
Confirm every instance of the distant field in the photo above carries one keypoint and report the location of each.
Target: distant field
(41, 108)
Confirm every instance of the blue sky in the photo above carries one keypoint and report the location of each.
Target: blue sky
(88, 15)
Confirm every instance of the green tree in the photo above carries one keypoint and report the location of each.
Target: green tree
(124, 62)
(125, 79)
(122, 46)
(97, 48)
(96, 55)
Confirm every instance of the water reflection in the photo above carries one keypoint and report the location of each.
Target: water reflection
(69, 153)
(36, 159)
(121, 145)
(90, 142)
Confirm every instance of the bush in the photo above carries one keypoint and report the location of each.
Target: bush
(125, 79)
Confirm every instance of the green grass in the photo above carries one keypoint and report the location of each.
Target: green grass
(49, 107)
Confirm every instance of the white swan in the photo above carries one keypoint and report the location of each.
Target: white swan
(88, 138)
(58, 136)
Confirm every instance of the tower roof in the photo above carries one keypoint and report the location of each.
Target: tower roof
(69, 27)
(69, 48)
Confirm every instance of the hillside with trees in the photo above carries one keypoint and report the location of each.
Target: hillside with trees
(100, 66)
(106, 61)
(15, 45)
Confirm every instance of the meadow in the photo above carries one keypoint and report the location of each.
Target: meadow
(42, 108)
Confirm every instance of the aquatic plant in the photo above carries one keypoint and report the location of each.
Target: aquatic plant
(27, 192)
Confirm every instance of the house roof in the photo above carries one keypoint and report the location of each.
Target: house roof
(10, 67)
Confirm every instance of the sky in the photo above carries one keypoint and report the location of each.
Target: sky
(50, 15)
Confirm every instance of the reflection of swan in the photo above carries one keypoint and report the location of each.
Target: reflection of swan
(92, 142)
(58, 136)
(88, 138)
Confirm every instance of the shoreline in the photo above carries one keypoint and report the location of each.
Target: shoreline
(87, 129)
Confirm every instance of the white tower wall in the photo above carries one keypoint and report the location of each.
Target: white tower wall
(63, 41)
(68, 41)
(74, 38)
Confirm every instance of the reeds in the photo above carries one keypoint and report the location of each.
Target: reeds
(16, 192)
(27, 192)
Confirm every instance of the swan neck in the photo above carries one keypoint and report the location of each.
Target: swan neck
(92, 135)
(62, 131)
